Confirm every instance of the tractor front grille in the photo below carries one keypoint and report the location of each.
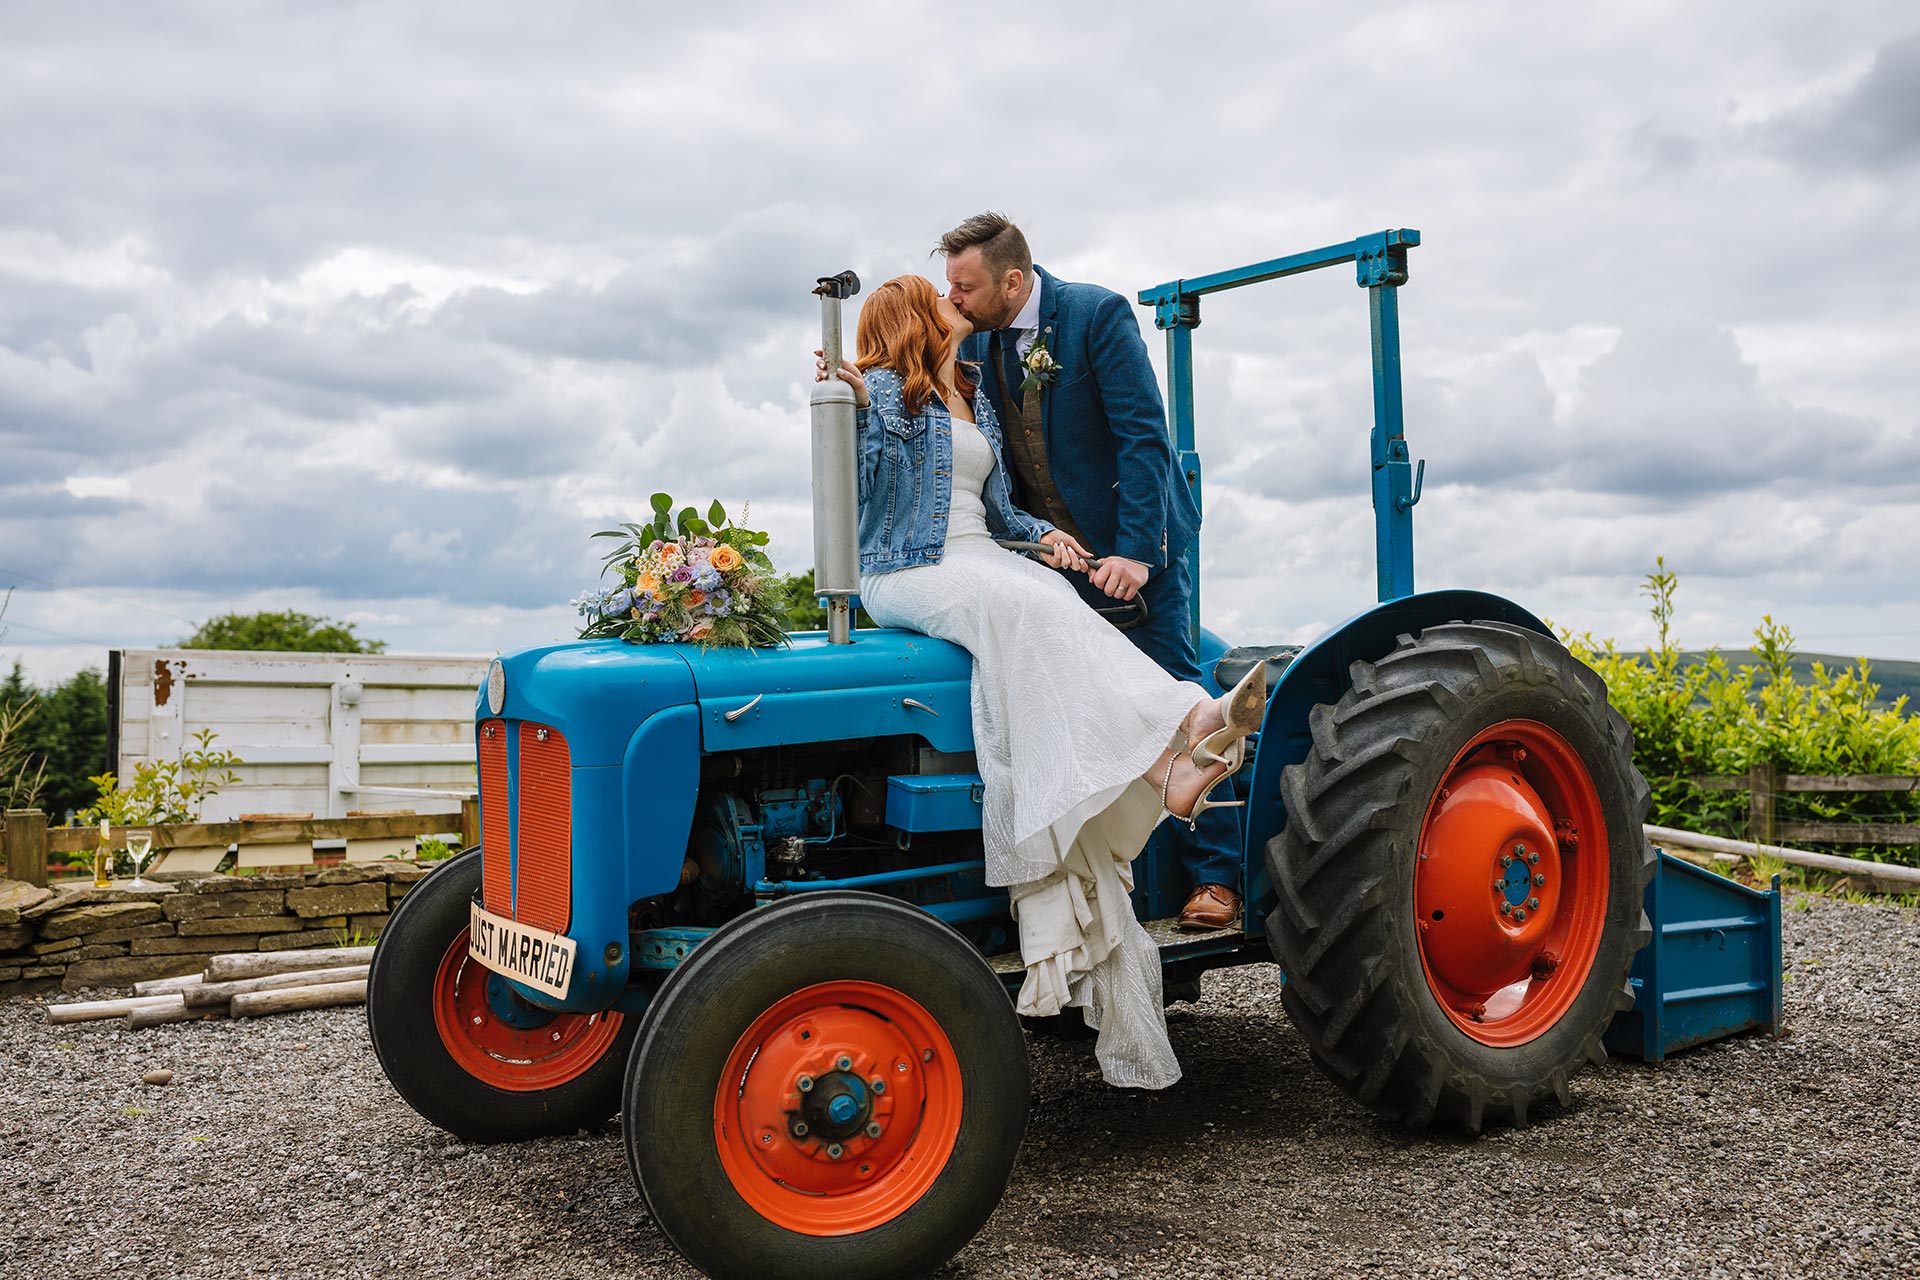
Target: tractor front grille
(526, 863)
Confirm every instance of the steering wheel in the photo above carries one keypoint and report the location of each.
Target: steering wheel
(1124, 617)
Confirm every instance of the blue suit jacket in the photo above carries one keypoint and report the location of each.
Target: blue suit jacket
(1105, 424)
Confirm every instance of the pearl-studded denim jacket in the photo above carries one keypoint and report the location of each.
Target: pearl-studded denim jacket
(906, 478)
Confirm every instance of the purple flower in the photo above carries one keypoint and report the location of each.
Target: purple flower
(682, 574)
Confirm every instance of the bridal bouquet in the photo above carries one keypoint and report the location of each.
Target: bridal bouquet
(686, 578)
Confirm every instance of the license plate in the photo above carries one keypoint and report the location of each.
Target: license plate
(542, 960)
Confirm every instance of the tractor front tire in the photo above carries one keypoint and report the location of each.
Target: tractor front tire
(461, 1048)
(835, 1086)
(1461, 876)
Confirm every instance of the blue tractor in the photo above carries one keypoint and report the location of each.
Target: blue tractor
(738, 897)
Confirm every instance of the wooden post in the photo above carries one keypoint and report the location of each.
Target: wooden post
(26, 846)
(1760, 789)
(469, 822)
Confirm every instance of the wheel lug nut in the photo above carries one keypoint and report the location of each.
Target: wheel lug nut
(804, 1084)
(799, 1128)
(879, 1084)
(1533, 857)
(1533, 904)
(1520, 916)
(873, 1128)
(845, 1063)
(1519, 850)
(1506, 859)
(1539, 879)
(834, 1151)
(1506, 908)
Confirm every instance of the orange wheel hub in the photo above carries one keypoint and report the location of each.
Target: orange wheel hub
(1510, 891)
(519, 1049)
(838, 1108)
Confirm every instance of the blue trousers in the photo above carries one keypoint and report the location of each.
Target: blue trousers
(1211, 854)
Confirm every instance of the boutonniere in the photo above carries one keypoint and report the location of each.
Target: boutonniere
(1040, 365)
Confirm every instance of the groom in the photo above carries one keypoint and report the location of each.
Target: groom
(1087, 449)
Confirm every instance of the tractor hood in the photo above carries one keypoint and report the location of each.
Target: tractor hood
(886, 682)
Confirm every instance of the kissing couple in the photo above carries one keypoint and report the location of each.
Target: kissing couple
(1023, 407)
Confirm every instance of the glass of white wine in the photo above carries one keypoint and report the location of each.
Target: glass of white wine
(140, 850)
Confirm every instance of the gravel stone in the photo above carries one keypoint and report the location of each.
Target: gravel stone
(157, 1077)
(1756, 1157)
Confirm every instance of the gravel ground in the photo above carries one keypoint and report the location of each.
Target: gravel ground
(279, 1150)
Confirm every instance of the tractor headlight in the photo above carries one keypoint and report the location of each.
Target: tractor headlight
(496, 687)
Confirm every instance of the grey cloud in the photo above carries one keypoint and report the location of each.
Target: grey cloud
(673, 308)
(1874, 124)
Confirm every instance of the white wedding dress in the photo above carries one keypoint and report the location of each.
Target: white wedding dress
(1067, 715)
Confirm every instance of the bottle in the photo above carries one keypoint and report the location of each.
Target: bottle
(103, 858)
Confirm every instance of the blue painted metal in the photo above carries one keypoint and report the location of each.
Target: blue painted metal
(1380, 267)
(663, 949)
(1319, 674)
(935, 802)
(781, 887)
(1712, 968)
(817, 692)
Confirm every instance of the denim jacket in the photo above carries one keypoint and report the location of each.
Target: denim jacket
(906, 478)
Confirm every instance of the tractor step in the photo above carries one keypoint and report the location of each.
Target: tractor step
(1174, 942)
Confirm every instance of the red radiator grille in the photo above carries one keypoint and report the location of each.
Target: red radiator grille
(544, 886)
(495, 818)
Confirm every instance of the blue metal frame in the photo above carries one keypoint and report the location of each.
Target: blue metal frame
(1380, 267)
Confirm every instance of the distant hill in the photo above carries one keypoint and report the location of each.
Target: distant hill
(1894, 677)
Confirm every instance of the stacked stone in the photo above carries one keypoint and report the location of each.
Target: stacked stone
(85, 937)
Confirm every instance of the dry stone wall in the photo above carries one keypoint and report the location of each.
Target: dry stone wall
(80, 937)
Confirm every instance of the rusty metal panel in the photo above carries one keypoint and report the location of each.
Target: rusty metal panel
(543, 880)
(496, 861)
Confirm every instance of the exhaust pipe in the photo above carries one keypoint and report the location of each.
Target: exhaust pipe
(836, 493)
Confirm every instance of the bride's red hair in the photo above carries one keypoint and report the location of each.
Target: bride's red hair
(901, 329)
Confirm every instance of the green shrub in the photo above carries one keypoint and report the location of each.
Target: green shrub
(1695, 717)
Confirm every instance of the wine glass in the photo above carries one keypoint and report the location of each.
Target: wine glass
(140, 850)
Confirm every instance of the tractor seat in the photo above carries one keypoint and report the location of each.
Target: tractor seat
(1235, 663)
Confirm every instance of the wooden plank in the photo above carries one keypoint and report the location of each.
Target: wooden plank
(95, 1010)
(258, 1004)
(1760, 780)
(417, 753)
(1850, 782)
(1852, 832)
(1888, 876)
(1718, 783)
(250, 964)
(25, 843)
(188, 835)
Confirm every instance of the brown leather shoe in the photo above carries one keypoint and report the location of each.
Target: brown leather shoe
(1212, 906)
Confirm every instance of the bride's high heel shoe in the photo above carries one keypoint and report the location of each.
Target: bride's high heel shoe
(1202, 802)
(1245, 706)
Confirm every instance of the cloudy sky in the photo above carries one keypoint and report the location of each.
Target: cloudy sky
(377, 311)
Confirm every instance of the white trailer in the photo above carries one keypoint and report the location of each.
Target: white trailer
(319, 733)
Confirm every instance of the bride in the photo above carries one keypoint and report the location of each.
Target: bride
(1084, 743)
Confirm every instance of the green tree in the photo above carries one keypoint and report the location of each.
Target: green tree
(286, 632)
(803, 606)
(57, 733)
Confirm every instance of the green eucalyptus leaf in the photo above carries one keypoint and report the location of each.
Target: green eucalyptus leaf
(716, 514)
(663, 502)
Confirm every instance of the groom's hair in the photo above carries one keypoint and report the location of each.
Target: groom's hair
(1002, 247)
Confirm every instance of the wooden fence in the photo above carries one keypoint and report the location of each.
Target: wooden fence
(28, 842)
(1764, 785)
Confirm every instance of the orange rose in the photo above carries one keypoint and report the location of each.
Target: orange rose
(670, 553)
(649, 583)
(695, 598)
(725, 558)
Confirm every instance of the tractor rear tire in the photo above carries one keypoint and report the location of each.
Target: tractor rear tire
(1460, 879)
(753, 1125)
(461, 1048)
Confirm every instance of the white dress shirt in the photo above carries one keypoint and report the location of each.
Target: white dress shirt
(1027, 323)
